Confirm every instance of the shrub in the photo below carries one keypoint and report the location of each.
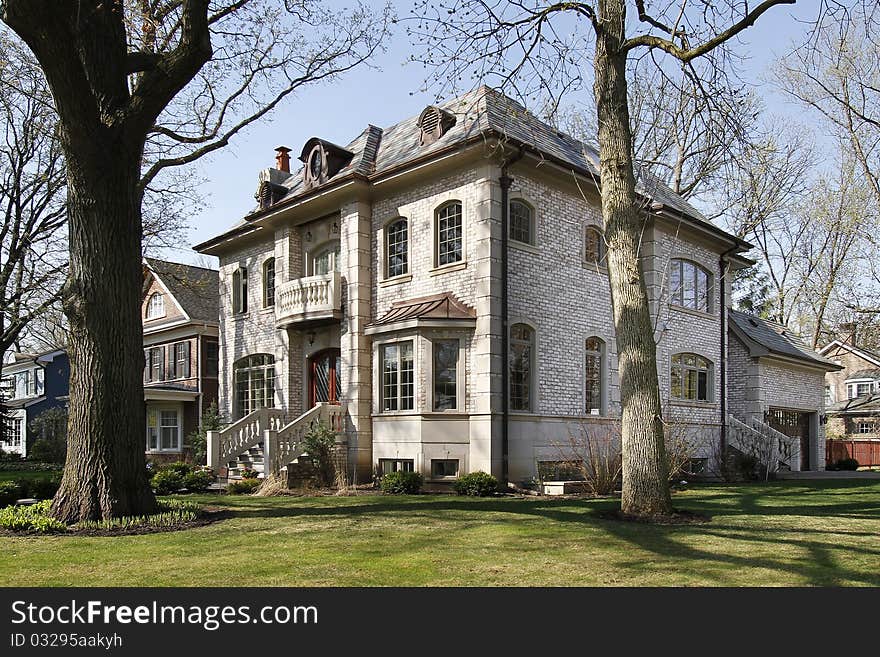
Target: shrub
(249, 473)
(846, 464)
(178, 467)
(43, 488)
(242, 486)
(166, 482)
(10, 492)
(198, 481)
(28, 466)
(9, 457)
(170, 513)
(476, 484)
(198, 440)
(34, 517)
(401, 483)
(50, 427)
(319, 442)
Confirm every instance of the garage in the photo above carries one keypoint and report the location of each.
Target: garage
(794, 424)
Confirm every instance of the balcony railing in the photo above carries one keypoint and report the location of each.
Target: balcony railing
(309, 299)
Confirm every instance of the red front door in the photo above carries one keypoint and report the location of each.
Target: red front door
(324, 377)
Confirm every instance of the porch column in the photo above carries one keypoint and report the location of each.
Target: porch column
(355, 252)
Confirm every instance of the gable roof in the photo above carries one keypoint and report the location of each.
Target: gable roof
(861, 352)
(764, 337)
(196, 289)
(479, 115)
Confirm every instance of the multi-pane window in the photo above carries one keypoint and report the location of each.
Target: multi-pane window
(254, 383)
(521, 228)
(156, 306)
(212, 359)
(269, 283)
(691, 378)
(594, 370)
(398, 390)
(180, 360)
(449, 234)
(445, 374)
(387, 466)
(155, 364)
(163, 430)
(12, 432)
(690, 286)
(572, 470)
(444, 468)
(522, 343)
(864, 427)
(326, 260)
(397, 248)
(29, 383)
(239, 290)
(594, 246)
(860, 389)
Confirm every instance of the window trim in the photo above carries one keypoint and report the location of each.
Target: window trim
(380, 377)
(270, 261)
(710, 379)
(386, 253)
(533, 367)
(435, 237)
(148, 315)
(434, 477)
(533, 222)
(159, 426)
(601, 261)
(603, 376)
(710, 286)
(239, 290)
(460, 402)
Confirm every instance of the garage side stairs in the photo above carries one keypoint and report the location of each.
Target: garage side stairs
(774, 450)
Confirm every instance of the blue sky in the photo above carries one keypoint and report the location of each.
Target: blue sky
(389, 93)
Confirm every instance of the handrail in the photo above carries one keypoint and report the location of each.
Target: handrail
(247, 432)
(288, 443)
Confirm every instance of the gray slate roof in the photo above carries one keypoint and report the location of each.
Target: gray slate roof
(865, 374)
(480, 113)
(196, 289)
(866, 404)
(777, 339)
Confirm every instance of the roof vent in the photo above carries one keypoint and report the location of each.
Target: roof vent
(433, 124)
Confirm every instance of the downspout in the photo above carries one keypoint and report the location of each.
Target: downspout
(505, 182)
(722, 302)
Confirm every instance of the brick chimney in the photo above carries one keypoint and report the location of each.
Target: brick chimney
(282, 159)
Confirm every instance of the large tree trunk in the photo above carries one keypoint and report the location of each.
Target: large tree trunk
(645, 482)
(105, 473)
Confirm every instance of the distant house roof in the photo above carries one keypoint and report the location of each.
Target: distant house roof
(479, 114)
(864, 374)
(764, 337)
(864, 405)
(861, 352)
(196, 289)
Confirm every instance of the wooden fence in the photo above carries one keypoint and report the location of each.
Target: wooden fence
(866, 451)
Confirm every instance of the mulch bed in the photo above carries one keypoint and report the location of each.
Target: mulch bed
(678, 517)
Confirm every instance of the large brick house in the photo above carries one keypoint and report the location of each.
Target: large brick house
(377, 288)
(180, 320)
(852, 392)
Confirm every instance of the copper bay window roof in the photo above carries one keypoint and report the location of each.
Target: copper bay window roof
(443, 307)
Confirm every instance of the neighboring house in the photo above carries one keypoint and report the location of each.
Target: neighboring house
(852, 394)
(777, 379)
(370, 282)
(31, 383)
(180, 318)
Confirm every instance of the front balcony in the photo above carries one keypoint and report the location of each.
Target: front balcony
(309, 300)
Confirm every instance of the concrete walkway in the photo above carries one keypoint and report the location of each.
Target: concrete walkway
(826, 474)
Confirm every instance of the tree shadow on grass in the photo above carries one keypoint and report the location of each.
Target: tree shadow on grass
(815, 555)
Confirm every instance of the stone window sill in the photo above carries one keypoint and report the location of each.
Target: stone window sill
(445, 269)
(691, 311)
(396, 280)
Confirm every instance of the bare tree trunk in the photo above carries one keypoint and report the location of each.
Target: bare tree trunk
(645, 483)
(105, 473)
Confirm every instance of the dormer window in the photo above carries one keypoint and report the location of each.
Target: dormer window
(322, 160)
(434, 123)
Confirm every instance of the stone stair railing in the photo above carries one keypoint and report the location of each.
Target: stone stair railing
(281, 443)
(240, 436)
(769, 446)
(287, 443)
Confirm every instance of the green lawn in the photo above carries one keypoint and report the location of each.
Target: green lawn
(786, 533)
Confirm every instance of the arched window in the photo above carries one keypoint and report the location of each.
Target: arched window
(448, 234)
(691, 378)
(269, 283)
(594, 246)
(239, 290)
(254, 380)
(690, 285)
(156, 306)
(397, 248)
(594, 376)
(522, 228)
(326, 260)
(522, 349)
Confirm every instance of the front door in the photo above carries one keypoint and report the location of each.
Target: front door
(795, 425)
(324, 377)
